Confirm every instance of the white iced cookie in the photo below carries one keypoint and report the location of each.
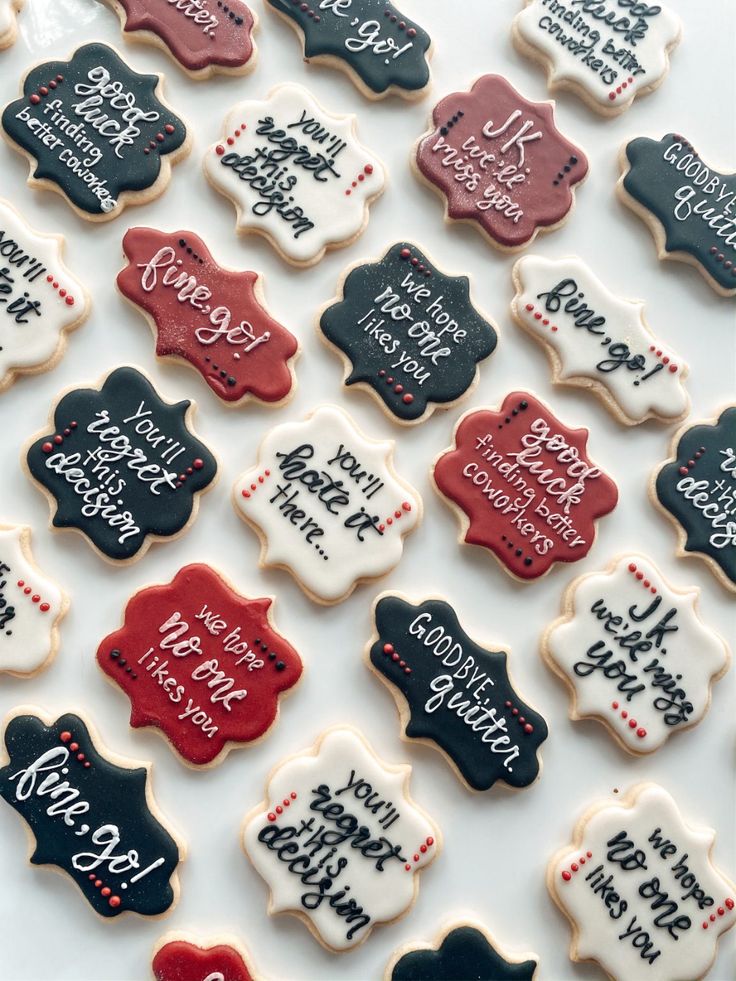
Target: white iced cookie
(327, 505)
(31, 606)
(8, 26)
(640, 890)
(295, 173)
(338, 839)
(598, 341)
(607, 53)
(635, 653)
(39, 299)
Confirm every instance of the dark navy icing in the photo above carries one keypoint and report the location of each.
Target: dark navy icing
(458, 693)
(410, 331)
(104, 127)
(698, 488)
(694, 203)
(117, 488)
(100, 830)
(464, 955)
(382, 46)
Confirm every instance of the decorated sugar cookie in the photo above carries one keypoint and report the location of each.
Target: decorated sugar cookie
(90, 814)
(687, 204)
(383, 51)
(500, 162)
(454, 694)
(640, 889)
(523, 486)
(204, 36)
(338, 818)
(295, 173)
(408, 333)
(121, 465)
(598, 341)
(211, 317)
(96, 132)
(327, 504)
(201, 663)
(696, 490)
(464, 950)
(40, 299)
(31, 607)
(177, 958)
(8, 26)
(635, 653)
(606, 53)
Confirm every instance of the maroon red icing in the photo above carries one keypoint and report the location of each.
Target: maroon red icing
(200, 662)
(501, 161)
(180, 960)
(199, 33)
(207, 315)
(530, 492)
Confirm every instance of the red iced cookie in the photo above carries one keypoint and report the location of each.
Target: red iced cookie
(524, 486)
(201, 663)
(500, 161)
(207, 315)
(180, 960)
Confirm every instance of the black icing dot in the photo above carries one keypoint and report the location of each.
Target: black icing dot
(524, 405)
(231, 381)
(280, 666)
(518, 553)
(272, 656)
(257, 640)
(115, 653)
(527, 561)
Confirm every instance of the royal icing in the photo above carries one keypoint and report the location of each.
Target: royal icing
(609, 52)
(598, 340)
(338, 840)
(385, 50)
(95, 128)
(201, 34)
(91, 818)
(525, 485)
(180, 960)
(31, 606)
(697, 489)
(500, 161)
(121, 464)
(8, 27)
(207, 315)
(327, 504)
(636, 653)
(692, 204)
(463, 952)
(458, 693)
(39, 298)
(296, 173)
(640, 890)
(201, 663)
(410, 332)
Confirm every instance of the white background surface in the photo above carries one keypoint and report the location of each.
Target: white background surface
(496, 844)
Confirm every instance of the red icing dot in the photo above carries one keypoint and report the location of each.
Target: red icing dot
(169, 128)
(423, 849)
(114, 901)
(58, 440)
(405, 253)
(528, 728)
(574, 866)
(632, 723)
(98, 883)
(198, 464)
(35, 99)
(368, 168)
(641, 733)
(407, 399)
(614, 705)
(589, 854)
(272, 817)
(624, 714)
(35, 598)
(388, 648)
(106, 891)
(80, 757)
(416, 858)
(65, 736)
(408, 868)
(430, 841)
(219, 150)
(293, 795)
(91, 877)
(406, 506)
(566, 876)
(279, 809)
(47, 447)
(73, 747)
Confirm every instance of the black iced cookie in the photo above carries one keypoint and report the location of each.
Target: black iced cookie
(693, 203)
(89, 817)
(410, 331)
(464, 953)
(698, 490)
(121, 464)
(381, 46)
(458, 694)
(95, 127)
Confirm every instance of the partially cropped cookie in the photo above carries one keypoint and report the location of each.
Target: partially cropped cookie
(382, 50)
(295, 173)
(8, 26)
(203, 36)
(687, 204)
(179, 958)
(208, 316)
(408, 333)
(598, 341)
(96, 131)
(500, 163)
(635, 653)
(641, 889)
(607, 54)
